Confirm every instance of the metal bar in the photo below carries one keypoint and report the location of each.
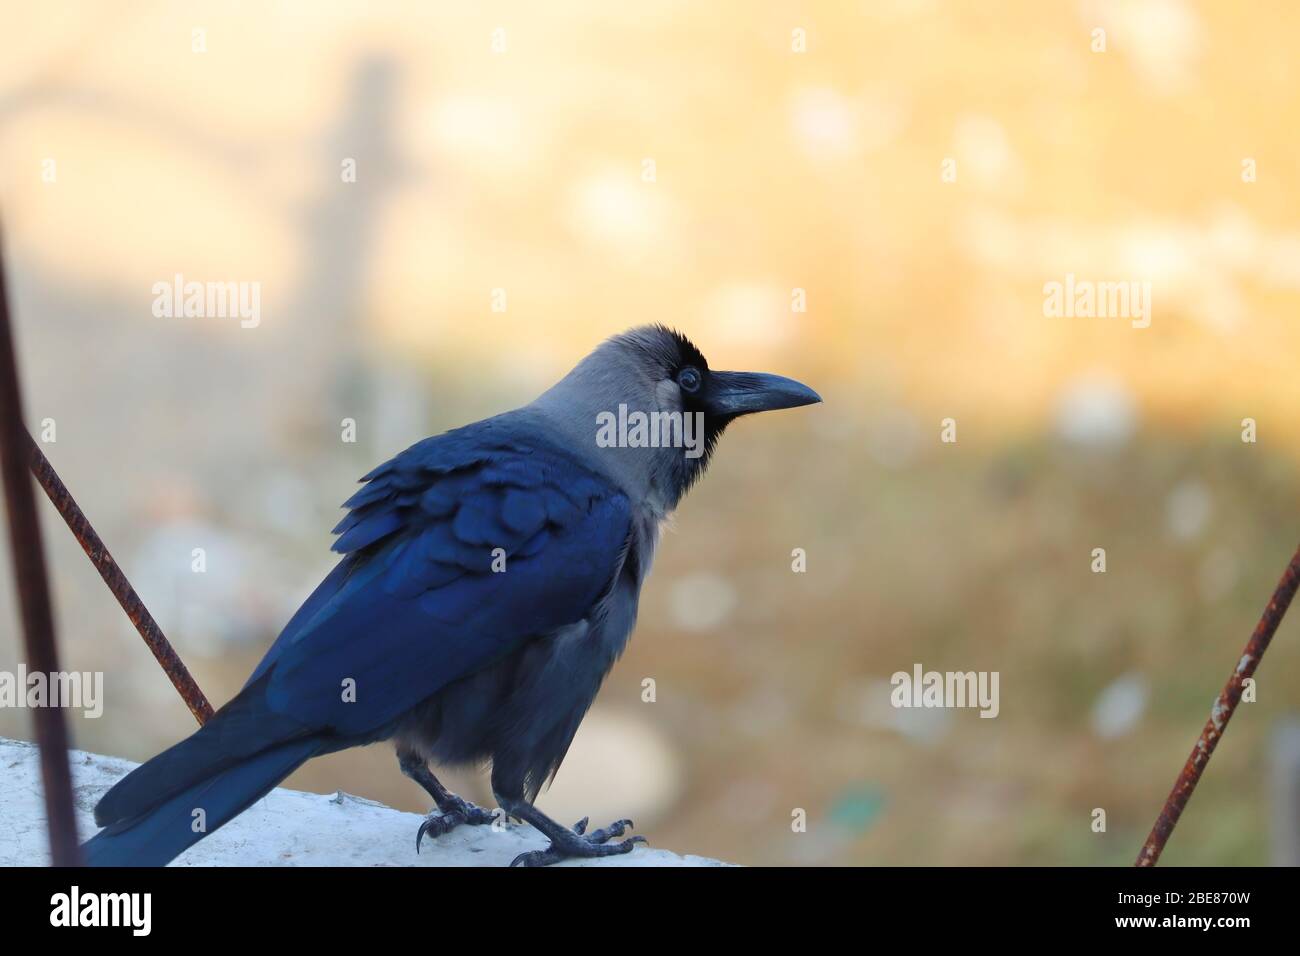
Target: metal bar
(34, 598)
(1220, 714)
(108, 569)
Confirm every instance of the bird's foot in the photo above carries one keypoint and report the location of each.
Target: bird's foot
(569, 844)
(447, 818)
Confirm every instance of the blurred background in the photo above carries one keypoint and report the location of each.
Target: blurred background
(869, 197)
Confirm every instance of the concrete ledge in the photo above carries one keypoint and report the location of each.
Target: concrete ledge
(287, 828)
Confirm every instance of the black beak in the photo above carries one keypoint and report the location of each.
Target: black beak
(740, 393)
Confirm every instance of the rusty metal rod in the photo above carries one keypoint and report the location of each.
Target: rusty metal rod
(1220, 714)
(108, 569)
(34, 598)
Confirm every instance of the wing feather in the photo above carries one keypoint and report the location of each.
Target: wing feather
(417, 603)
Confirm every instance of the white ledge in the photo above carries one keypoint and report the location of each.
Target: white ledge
(286, 828)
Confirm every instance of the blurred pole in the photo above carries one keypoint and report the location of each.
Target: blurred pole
(34, 596)
(1286, 793)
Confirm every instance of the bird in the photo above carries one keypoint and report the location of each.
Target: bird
(489, 580)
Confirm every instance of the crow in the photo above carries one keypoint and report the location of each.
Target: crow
(489, 581)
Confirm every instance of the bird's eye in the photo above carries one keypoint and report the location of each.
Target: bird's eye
(689, 379)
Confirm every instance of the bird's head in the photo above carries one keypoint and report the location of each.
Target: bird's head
(652, 410)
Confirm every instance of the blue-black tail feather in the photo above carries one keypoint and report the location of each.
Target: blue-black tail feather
(242, 729)
(157, 834)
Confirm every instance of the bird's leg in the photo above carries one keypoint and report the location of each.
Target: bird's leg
(452, 810)
(566, 843)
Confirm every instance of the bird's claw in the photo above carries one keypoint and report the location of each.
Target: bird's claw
(579, 843)
(441, 822)
(615, 829)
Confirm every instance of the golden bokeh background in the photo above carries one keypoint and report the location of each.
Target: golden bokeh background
(912, 171)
